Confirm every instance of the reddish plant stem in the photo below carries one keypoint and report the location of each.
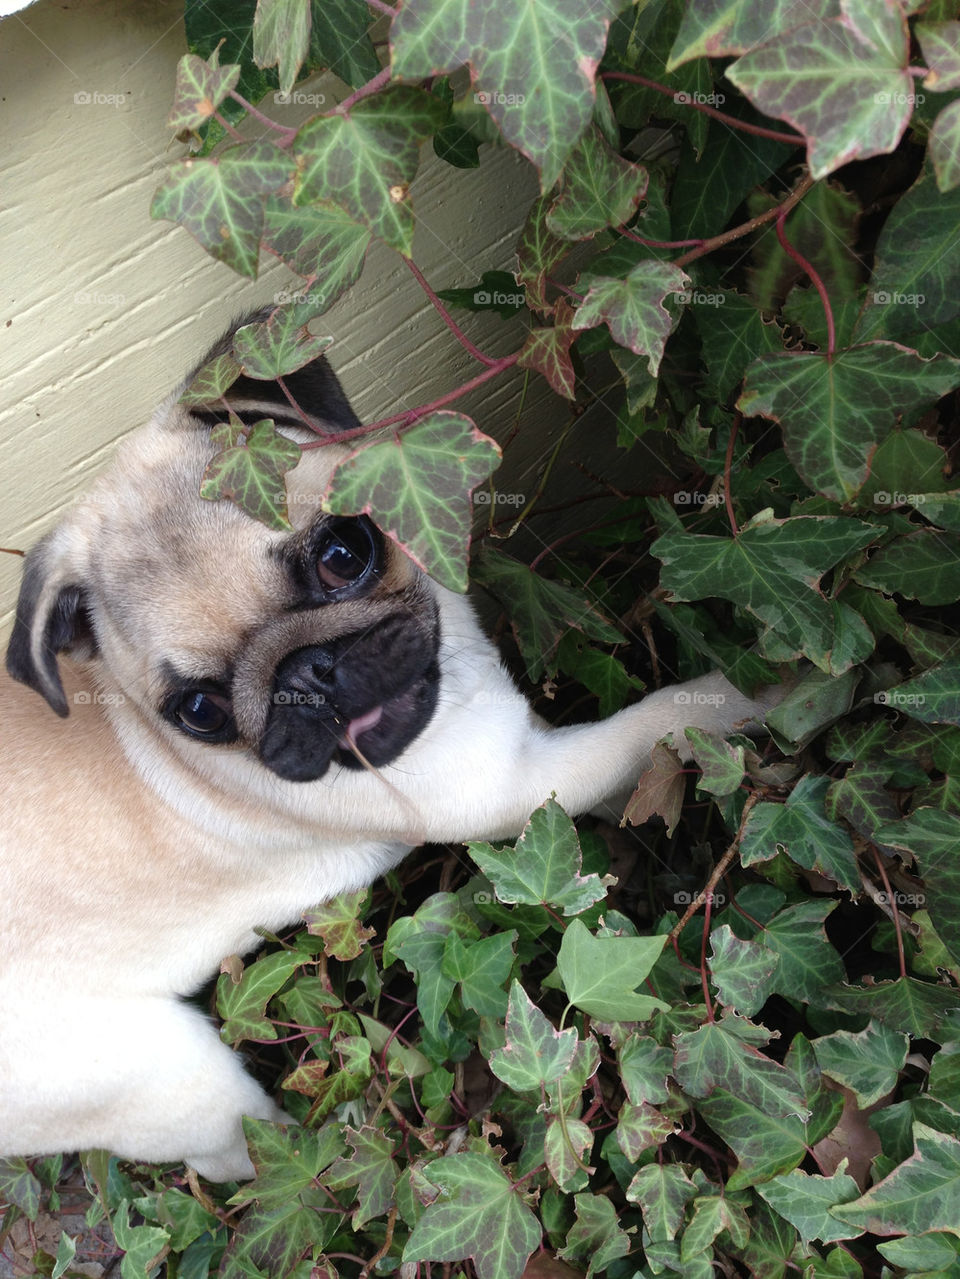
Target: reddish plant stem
(379, 81)
(412, 415)
(382, 8)
(228, 127)
(893, 907)
(811, 271)
(295, 406)
(286, 135)
(447, 317)
(737, 232)
(792, 139)
(728, 462)
(704, 969)
(657, 244)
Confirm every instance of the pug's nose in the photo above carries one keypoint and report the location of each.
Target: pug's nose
(306, 676)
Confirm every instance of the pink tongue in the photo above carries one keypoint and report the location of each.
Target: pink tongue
(361, 724)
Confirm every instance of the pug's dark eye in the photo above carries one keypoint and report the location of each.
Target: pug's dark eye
(346, 553)
(202, 713)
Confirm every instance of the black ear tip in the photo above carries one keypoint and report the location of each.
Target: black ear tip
(58, 624)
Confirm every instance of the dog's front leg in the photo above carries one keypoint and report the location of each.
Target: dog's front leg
(505, 777)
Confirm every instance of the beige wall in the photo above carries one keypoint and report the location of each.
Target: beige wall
(103, 310)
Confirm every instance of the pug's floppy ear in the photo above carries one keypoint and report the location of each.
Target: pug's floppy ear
(51, 618)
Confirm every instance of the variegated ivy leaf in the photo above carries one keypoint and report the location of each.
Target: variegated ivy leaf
(535, 1052)
(532, 63)
(940, 42)
(201, 87)
(416, 488)
(212, 381)
(219, 200)
(538, 252)
(281, 37)
(945, 147)
(548, 351)
(844, 83)
(365, 160)
(835, 411)
(633, 310)
(719, 28)
(598, 188)
(319, 241)
(278, 345)
(249, 470)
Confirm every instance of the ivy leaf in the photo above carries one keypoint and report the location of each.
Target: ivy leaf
(916, 1007)
(801, 829)
(494, 291)
(287, 1159)
(632, 308)
(539, 251)
(220, 200)
(808, 962)
(940, 42)
(725, 27)
(416, 487)
(19, 1186)
(732, 337)
(371, 1168)
(541, 611)
(281, 37)
(319, 240)
(663, 1192)
(535, 1053)
(721, 764)
(772, 569)
(765, 1145)
(867, 1062)
(365, 160)
(933, 837)
(598, 188)
(933, 696)
(143, 1246)
(920, 1195)
(716, 1057)
(566, 1147)
(834, 412)
(641, 1127)
(644, 1067)
(544, 867)
(595, 1227)
(660, 790)
(807, 1201)
(250, 472)
(532, 64)
(340, 40)
(478, 1215)
(742, 970)
(279, 345)
(944, 144)
(547, 350)
(481, 968)
(242, 1005)
(601, 974)
(211, 383)
(847, 90)
(923, 566)
(338, 922)
(201, 87)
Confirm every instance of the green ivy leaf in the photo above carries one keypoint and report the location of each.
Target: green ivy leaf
(641, 1127)
(848, 91)
(338, 922)
(807, 1201)
(319, 241)
(598, 188)
(933, 837)
(765, 1145)
(733, 333)
(478, 1215)
(340, 40)
(721, 764)
(801, 829)
(220, 200)
(494, 291)
(867, 1062)
(596, 1227)
(772, 568)
(601, 973)
(371, 1168)
(724, 27)
(365, 160)
(932, 697)
(279, 345)
(249, 471)
(541, 611)
(742, 970)
(535, 1053)
(532, 65)
(808, 962)
(281, 37)
(242, 1005)
(567, 1146)
(945, 147)
(663, 1192)
(632, 308)
(19, 1186)
(539, 252)
(416, 487)
(143, 1246)
(922, 1194)
(644, 1067)
(201, 87)
(212, 382)
(481, 968)
(716, 1057)
(916, 1007)
(834, 412)
(547, 350)
(288, 1159)
(922, 566)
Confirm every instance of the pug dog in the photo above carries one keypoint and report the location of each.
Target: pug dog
(240, 723)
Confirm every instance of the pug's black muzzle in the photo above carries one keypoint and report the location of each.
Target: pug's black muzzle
(376, 690)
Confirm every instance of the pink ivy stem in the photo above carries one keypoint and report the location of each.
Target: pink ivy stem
(228, 127)
(447, 317)
(792, 139)
(893, 908)
(812, 272)
(727, 465)
(382, 8)
(659, 244)
(286, 134)
(379, 81)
